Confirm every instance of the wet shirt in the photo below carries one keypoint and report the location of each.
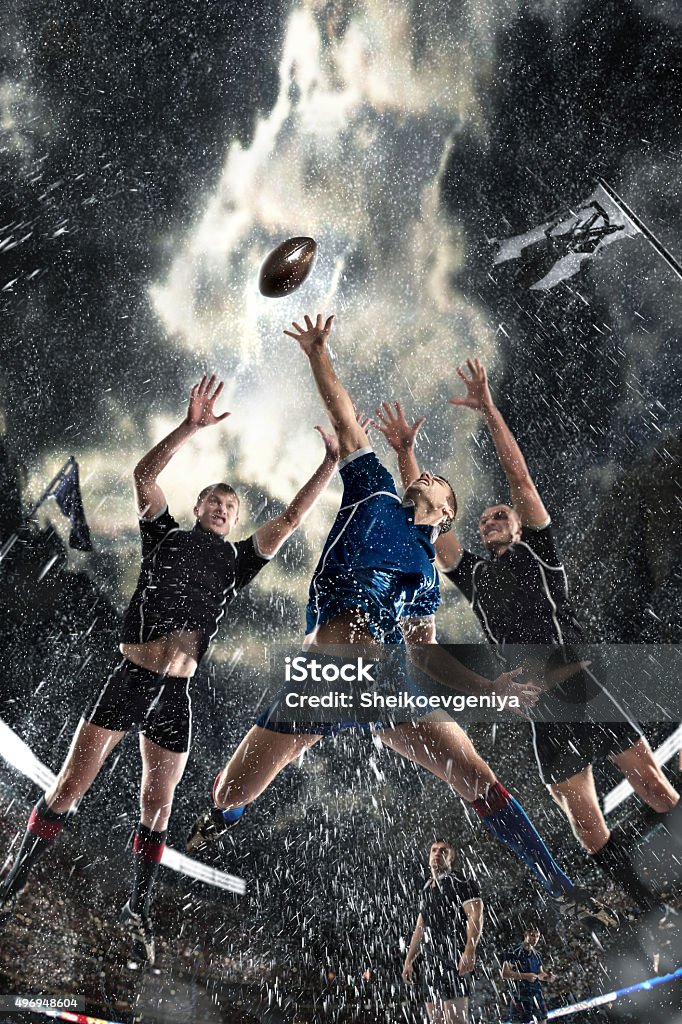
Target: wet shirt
(444, 917)
(520, 596)
(376, 558)
(187, 580)
(525, 961)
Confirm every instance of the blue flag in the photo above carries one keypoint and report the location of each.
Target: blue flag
(67, 494)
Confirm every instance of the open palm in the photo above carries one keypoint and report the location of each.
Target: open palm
(202, 400)
(478, 393)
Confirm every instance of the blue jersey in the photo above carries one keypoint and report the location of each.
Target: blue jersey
(376, 558)
(525, 961)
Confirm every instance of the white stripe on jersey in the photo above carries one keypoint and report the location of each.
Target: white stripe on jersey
(338, 537)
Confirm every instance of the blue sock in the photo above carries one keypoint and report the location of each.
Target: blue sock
(506, 819)
(234, 814)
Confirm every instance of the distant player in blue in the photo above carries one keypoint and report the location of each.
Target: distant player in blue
(376, 585)
(523, 966)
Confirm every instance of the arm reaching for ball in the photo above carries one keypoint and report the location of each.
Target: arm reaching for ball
(148, 495)
(401, 436)
(524, 495)
(313, 342)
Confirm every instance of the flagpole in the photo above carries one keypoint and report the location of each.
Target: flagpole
(48, 490)
(641, 226)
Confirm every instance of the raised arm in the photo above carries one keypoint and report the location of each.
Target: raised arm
(401, 436)
(269, 537)
(524, 495)
(148, 495)
(415, 943)
(313, 341)
(474, 913)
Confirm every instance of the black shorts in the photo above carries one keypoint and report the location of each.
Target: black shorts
(440, 981)
(563, 749)
(134, 698)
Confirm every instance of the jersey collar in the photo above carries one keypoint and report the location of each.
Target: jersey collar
(213, 538)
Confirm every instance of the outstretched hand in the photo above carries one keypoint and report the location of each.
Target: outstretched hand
(331, 444)
(314, 335)
(478, 395)
(201, 401)
(508, 685)
(395, 428)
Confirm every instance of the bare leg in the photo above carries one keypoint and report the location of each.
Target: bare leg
(639, 767)
(161, 772)
(90, 747)
(256, 762)
(450, 1011)
(444, 749)
(577, 798)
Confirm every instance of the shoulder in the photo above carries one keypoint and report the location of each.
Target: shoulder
(539, 542)
(364, 476)
(158, 526)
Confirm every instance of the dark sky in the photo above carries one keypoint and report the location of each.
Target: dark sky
(116, 125)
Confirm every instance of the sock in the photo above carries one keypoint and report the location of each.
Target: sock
(148, 847)
(43, 828)
(614, 860)
(234, 814)
(506, 819)
(672, 821)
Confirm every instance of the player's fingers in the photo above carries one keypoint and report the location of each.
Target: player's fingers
(462, 374)
(472, 368)
(291, 335)
(223, 416)
(298, 327)
(328, 324)
(202, 382)
(418, 423)
(380, 414)
(308, 322)
(221, 385)
(387, 409)
(457, 401)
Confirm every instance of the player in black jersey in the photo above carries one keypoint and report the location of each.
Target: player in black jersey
(519, 593)
(187, 580)
(446, 935)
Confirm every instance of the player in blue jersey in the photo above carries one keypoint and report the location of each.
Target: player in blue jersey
(523, 966)
(519, 593)
(376, 585)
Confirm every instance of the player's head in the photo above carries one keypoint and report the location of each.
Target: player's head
(433, 499)
(441, 856)
(217, 509)
(531, 934)
(499, 526)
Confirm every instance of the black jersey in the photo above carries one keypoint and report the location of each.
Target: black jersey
(444, 917)
(520, 596)
(187, 580)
